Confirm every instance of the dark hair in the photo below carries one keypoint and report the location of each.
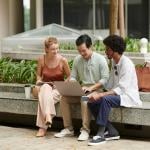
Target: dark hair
(116, 43)
(84, 39)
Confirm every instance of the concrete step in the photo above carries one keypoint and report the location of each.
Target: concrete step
(19, 88)
(137, 58)
(19, 105)
(14, 95)
(145, 96)
(12, 87)
(12, 100)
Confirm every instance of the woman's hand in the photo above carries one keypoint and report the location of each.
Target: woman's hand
(67, 80)
(38, 82)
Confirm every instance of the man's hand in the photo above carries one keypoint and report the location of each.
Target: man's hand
(86, 89)
(95, 96)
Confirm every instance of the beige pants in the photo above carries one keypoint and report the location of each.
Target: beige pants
(66, 112)
(48, 97)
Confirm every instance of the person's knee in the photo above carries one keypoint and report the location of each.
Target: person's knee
(91, 105)
(105, 102)
(63, 100)
(84, 104)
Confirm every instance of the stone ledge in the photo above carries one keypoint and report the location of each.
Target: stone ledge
(137, 58)
(138, 116)
(12, 100)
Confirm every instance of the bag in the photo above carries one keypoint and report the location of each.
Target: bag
(143, 76)
(35, 91)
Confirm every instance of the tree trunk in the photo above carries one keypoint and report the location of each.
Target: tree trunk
(113, 17)
(121, 18)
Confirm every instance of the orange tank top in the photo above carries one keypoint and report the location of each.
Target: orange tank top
(52, 74)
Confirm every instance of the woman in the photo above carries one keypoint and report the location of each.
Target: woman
(51, 67)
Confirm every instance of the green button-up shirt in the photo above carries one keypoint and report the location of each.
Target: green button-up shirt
(90, 71)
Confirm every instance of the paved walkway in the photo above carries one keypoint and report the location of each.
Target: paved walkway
(12, 138)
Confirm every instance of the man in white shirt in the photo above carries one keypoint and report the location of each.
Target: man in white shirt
(92, 70)
(122, 89)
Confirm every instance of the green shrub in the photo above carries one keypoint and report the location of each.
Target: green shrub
(132, 45)
(23, 71)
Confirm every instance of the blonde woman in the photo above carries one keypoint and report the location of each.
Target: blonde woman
(51, 67)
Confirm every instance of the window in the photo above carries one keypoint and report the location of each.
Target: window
(138, 18)
(51, 11)
(78, 14)
(102, 14)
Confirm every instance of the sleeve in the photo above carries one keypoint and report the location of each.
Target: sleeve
(125, 79)
(109, 84)
(74, 72)
(104, 71)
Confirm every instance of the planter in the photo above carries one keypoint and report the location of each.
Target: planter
(136, 57)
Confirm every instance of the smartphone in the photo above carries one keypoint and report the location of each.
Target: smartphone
(84, 98)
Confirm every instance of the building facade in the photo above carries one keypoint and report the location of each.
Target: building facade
(89, 15)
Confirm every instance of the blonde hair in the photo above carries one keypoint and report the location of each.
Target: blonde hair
(49, 41)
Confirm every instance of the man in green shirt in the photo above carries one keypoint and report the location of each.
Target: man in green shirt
(91, 69)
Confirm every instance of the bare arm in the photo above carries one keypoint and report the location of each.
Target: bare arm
(95, 96)
(39, 69)
(66, 69)
(92, 88)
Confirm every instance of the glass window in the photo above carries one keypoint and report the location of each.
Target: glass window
(138, 18)
(102, 14)
(78, 14)
(51, 11)
(26, 5)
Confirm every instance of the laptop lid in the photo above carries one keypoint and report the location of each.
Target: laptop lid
(69, 88)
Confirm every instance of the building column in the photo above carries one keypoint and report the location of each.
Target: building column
(39, 13)
(4, 18)
(149, 19)
(16, 19)
(32, 14)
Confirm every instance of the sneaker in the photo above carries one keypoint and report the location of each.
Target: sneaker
(83, 136)
(97, 140)
(63, 133)
(109, 137)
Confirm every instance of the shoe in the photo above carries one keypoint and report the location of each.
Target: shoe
(83, 136)
(109, 137)
(41, 132)
(97, 140)
(48, 121)
(63, 133)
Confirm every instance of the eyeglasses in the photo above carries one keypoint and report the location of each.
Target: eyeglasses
(107, 49)
(116, 72)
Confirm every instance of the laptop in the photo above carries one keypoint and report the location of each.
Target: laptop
(69, 88)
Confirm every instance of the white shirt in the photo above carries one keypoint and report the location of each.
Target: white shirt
(124, 82)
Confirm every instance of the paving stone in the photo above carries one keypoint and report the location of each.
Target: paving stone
(24, 139)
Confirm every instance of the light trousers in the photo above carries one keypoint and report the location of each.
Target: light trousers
(47, 97)
(65, 103)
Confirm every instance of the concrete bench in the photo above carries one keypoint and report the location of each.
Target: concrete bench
(12, 100)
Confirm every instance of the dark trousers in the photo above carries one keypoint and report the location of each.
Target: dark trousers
(101, 108)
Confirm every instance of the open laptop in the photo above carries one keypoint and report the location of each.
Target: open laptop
(69, 88)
